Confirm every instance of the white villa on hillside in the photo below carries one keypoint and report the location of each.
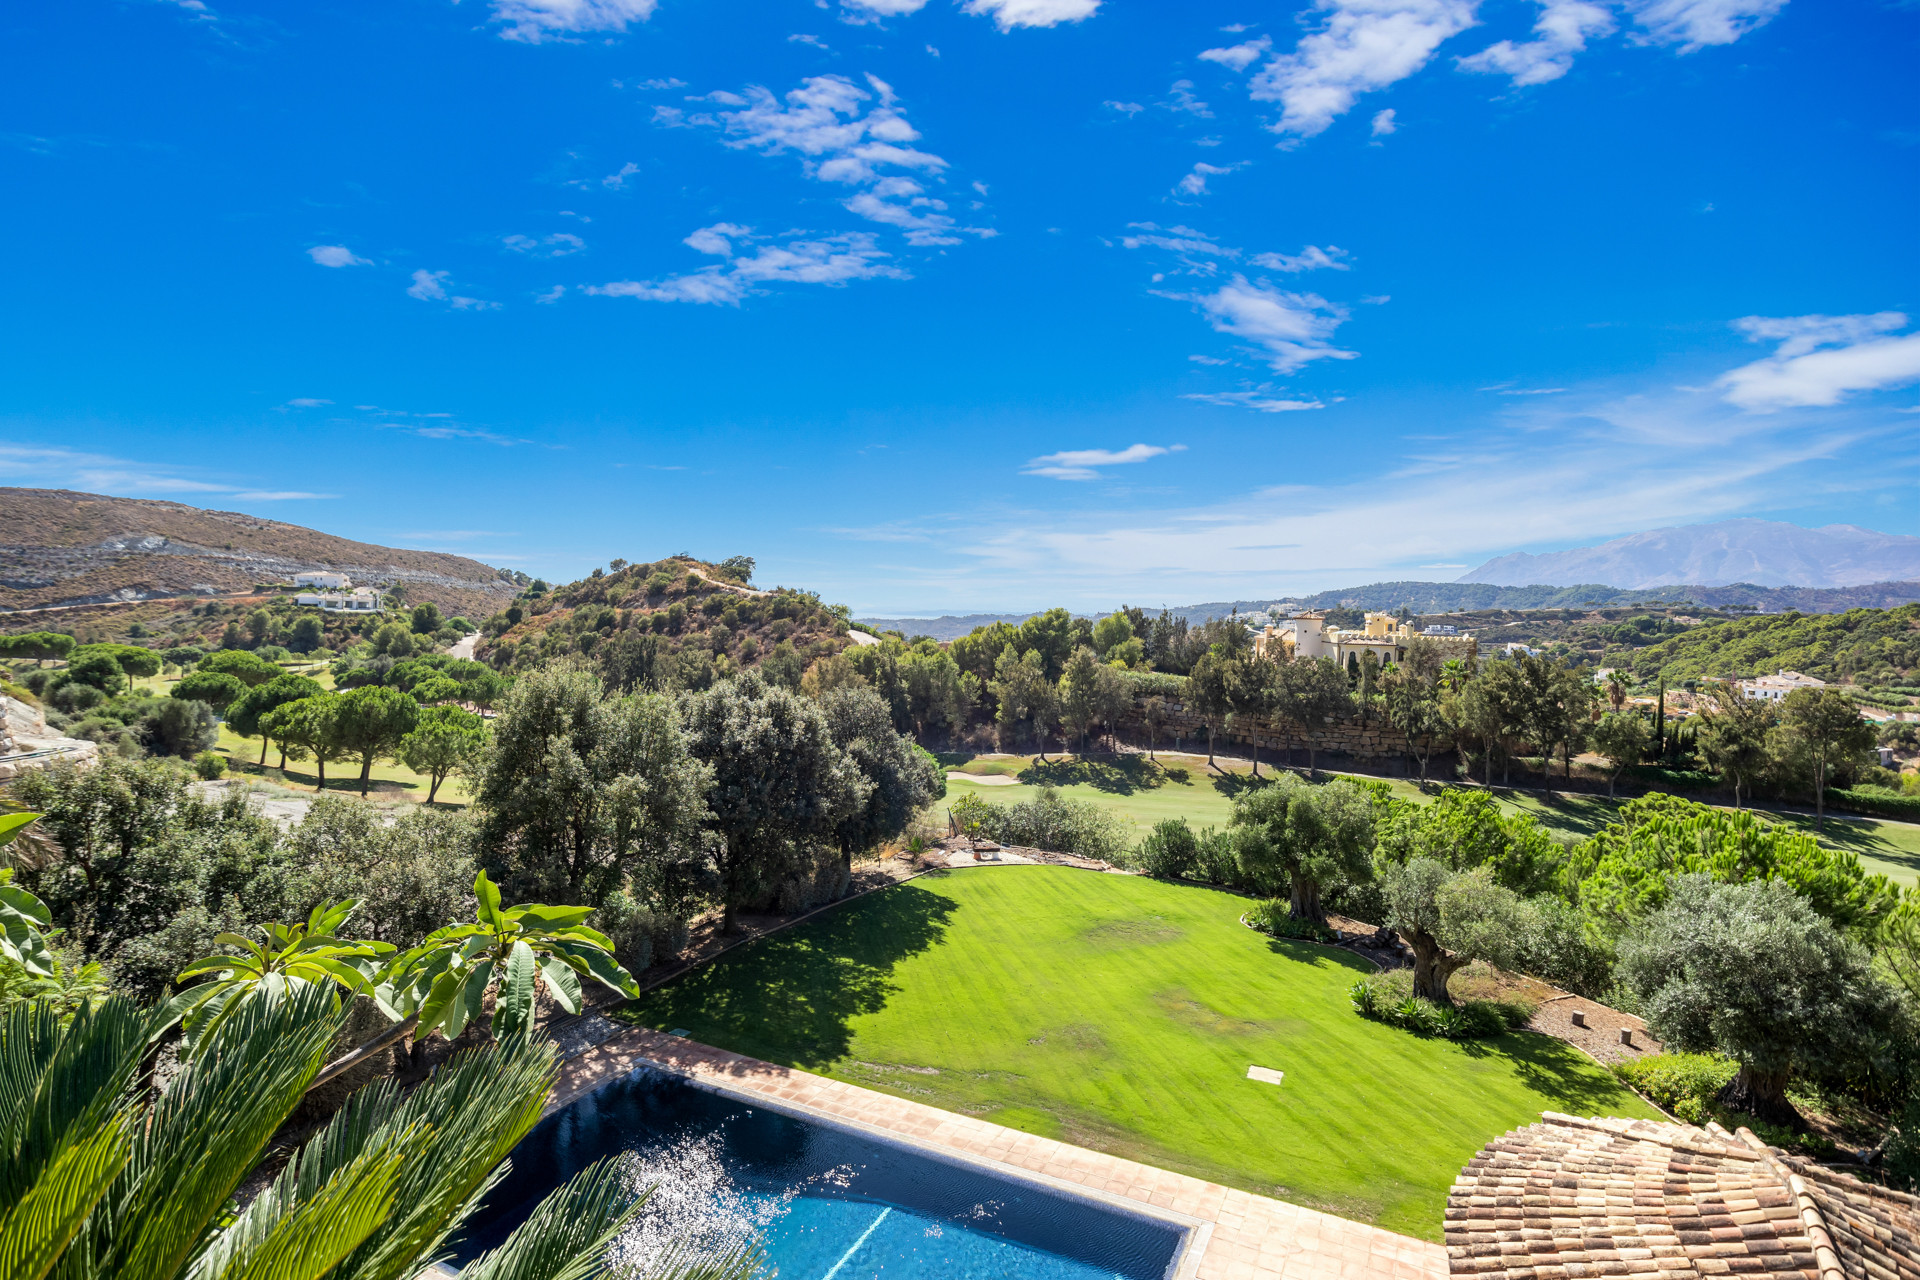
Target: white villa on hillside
(359, 600)
(1775, 687)
(325, 581)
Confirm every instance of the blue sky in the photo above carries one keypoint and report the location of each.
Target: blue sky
(938, 306)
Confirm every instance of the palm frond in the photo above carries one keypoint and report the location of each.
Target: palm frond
(37, 1230)
(466, 1119)
(570, 1234)
(205, 1133)
(322, 1229)
(60, 1085)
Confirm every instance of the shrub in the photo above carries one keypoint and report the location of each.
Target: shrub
(1216, 858)
(1884, 801)
(210, 765)
(1050, 821)
(1169, 851)
(1683, 1084)
(1388, 997)
(1271, 917)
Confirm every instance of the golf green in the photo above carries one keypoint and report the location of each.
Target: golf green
(1121, 1013)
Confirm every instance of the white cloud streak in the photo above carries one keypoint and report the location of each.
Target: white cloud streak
(1820, 360)
(535, 21)
(1240, 56)
(1292, 329)
(1258, 401)
(100, 473)
(1009, 14)
(1561, 31)
(431, 286)
(1695, 24)
(1361, 46)
(1084, 464)
(828, 260)
(1195, 183)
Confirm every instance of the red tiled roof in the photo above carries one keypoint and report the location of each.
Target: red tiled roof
(1571, 1198)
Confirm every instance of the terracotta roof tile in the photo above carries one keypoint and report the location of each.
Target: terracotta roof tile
(1576, 1199)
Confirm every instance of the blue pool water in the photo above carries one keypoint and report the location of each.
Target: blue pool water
(825, 1203)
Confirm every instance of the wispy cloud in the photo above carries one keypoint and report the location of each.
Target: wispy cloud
(1820, 360)
(1257, 400)
(1695, 24)
(828, 260)
(535, 21)
(431, 286)
(1383, 123)
(559, 245)
(337, 255)
(1195, 183)
(1360, 46)
(1009, 14)
(1562, 30)
(843, 134)
(1085, 464)
(121, 477)
(1240, 56)
(1292, 329)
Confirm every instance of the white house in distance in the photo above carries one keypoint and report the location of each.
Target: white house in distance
(325, 581)
(1775, 687)
(359, 600)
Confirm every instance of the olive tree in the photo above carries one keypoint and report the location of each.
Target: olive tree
(780, 783)
(904, 778)
(1304, 839)
(1621, 738)
(1753, 972)
(1450, 919)
(583, 791)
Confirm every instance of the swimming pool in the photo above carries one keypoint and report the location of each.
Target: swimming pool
(826, 1203)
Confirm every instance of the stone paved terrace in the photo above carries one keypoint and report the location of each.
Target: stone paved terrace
(1237, 1235)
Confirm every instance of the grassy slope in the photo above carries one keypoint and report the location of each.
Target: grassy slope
(1121, 1014)
(1189, 790)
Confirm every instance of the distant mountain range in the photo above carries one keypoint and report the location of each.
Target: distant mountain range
(1767, 553)
(1431, 598)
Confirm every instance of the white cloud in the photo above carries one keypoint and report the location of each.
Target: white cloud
(1124, 108)
(100, 473)
(1294, 329)
(829, 260)
(1195, 183)
(1183, 100)
(1821, 359)
(1238, 57)
(617, 181)
(1208, 360)
(829, 123)
(337, 255)
(1694, 24)
(1083, 464)
(558, 245)
(552, 295)
(884, 8)
(305, 402)
(1562, 30)
(1008, 14)
(1383, 123)
(536, 20)
(431, 286)
(815, 41)
(1310, 258)
(1259, 401)
(1362, 45)
(1615, 466)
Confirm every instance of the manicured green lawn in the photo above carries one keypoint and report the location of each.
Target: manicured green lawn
(1182, 786)
(1121, 1013)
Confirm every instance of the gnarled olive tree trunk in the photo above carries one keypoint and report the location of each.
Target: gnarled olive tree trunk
(1433, 964)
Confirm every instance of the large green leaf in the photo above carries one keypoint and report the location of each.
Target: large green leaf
(12, 824)
(513, 1002)
(487, 894)
(562, 981)
(546, 917)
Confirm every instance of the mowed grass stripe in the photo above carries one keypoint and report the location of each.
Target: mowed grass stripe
(1121, 1014)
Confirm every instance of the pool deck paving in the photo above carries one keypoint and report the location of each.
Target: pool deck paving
(1235, 1235)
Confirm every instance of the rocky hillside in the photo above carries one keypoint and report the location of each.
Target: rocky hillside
(678, 623)
(59, 548)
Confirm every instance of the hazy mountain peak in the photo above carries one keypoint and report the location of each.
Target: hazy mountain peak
(1767, 553)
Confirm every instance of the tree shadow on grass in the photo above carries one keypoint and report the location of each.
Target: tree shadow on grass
(791, 997)
(1121, 775)
(1572, 1081)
